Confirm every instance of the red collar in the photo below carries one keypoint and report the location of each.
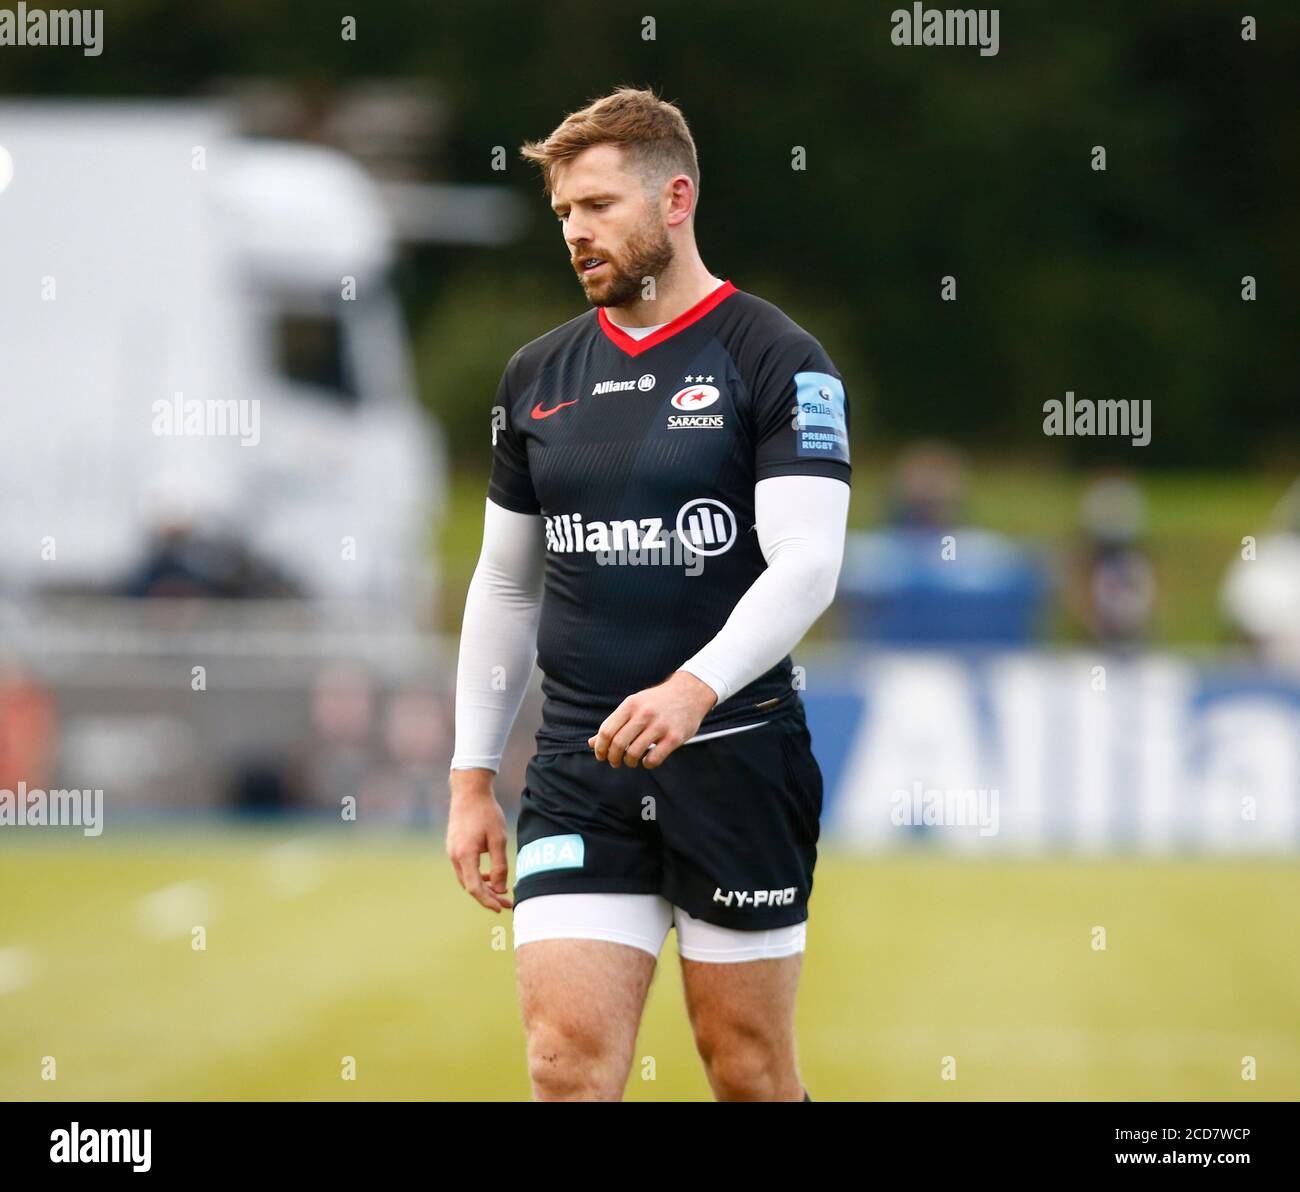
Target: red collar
(634, 347)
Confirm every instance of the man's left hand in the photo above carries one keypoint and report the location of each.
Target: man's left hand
(648, 726)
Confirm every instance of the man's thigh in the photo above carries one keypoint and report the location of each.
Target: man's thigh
(755, 998)
(742, 1016)
(581, 1001)
(584, 964)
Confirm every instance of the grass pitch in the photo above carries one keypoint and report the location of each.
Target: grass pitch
(325, 946)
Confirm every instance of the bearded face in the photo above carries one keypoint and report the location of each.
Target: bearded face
(614, 274)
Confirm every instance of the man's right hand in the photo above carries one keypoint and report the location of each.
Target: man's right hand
(477, 825)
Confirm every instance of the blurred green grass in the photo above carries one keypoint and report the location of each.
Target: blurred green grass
(320, 948)
(1195, 523)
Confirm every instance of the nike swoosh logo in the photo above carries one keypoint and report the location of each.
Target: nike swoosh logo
(538, 412)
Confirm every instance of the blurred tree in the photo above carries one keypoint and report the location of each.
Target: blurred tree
(921, 163)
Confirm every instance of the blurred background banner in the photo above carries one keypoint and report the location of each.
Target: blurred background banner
(261, 268)
(1147, 754)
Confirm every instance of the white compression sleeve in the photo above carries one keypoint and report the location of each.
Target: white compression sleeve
(800, 522)
(498, 638)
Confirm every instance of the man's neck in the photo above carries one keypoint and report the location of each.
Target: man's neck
(673, 297)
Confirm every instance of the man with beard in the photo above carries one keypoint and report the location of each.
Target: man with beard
(688, 423)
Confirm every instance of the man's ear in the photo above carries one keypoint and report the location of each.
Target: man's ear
(679, 190)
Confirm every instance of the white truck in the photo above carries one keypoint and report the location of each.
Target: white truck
(198, 329)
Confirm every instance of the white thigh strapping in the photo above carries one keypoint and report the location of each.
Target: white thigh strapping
(698, 940)
(638, 920)
(642, 921)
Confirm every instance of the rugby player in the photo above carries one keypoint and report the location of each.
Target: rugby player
(664, 521)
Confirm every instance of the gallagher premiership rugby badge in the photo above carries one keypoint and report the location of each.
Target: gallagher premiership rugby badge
(820, 425)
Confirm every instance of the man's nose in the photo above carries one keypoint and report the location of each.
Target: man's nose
(575, 233)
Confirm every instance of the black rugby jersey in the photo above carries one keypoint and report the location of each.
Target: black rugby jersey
(642, 456)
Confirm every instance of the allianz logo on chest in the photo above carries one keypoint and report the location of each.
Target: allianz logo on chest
(643, 383)
(703, 526)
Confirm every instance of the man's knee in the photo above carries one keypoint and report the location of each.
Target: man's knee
(575, 1061)
(744, 1063)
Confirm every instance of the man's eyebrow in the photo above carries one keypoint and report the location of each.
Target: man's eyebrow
(592, 198)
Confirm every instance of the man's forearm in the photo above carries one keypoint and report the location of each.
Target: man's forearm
(498, 643)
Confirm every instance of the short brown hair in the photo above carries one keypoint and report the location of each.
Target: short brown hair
(651, 130)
